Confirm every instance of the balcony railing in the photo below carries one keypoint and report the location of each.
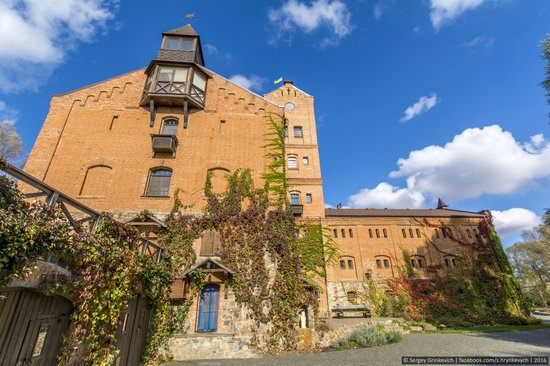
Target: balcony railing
(164, 144)
(297, 210)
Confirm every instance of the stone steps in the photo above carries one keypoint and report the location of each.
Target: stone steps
(210, 346)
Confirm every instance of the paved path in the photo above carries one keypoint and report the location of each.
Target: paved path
(525, 343)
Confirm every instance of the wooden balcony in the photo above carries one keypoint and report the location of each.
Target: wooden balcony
(297, 210)
(164, 144)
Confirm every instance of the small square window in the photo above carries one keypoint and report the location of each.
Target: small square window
(378, 263)
(386, 263)
(298, 132)
(413, 263)
(172, 43)
(292, 162)
(309, 199)
(305, 160)
(342, 264)
(350, 264)
(187, 44)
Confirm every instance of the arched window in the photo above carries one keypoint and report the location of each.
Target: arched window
(418, 261)
(469, 233)
(383, 262)
(385, 233)
(342, 264)
(352, 296)
(295, 198)
(309, 198)
(343, 231)
(335, 232)
(218, 179)
(347, 263)
(411, 235)
(159, 183)
(97, 181)
(386, 263)
(350, 233)
(292, 162)
(377, 233)
(370, 233)
(379, 263)
(169, 126)
(413, 263)
(404, 232)
(305, 160)
(418, 233)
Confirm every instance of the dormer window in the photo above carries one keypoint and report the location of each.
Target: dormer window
(178, 43)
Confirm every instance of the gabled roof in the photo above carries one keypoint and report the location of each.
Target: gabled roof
(149, 220)
(204, 263)
(376, 212)
(186, 30)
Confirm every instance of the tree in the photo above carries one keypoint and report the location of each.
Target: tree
(546, 55)
(11, 146)
(531, 261)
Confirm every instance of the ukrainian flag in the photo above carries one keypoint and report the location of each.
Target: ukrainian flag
(278, 80)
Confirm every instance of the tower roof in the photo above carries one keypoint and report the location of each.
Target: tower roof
(186, 30)
(441, 204)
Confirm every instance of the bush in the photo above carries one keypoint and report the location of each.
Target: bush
(367, 337)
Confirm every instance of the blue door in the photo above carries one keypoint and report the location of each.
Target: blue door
(208, 309)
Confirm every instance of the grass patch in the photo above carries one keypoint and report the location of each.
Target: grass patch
(491, 329)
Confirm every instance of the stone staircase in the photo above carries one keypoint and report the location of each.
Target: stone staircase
(211, 346)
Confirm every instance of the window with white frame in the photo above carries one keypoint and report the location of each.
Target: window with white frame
(292, 162)
(295, 198)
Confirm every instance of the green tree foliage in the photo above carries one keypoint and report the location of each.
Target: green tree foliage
(546, 56)
(531, 263)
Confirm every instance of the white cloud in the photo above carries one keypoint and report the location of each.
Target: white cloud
(445, 11)
(2, 106)
(35, 36)
(515, 220)
(251, 82)
(292, 15)
(385, 195)
(210, 48)
(477, 161)
(423, 105)
(381, 7)
(480, 42)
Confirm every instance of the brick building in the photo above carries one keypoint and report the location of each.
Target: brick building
(126, 144)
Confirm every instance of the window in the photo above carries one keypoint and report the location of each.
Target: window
(169, 126)
(289, 106)
(386, 263)
(352, 296)
(368, 275)
(385, 232)
(437, 233)
(377, 233)
(298, 132)
(168, 74)
(378, 263)
(370, 233)
(447, 262)
(350, 233)
(342, 264)
(404, 232)
(469, 233)
(178, 43)
(418, 233)
(444, 232)
(420, 263)
(159, 183)
(286, 131)
(413, 263)
(350, 263)
(199, 81)
(475, 232)
(305, 160)
(343, 231)
(292, 162)
(335, 232)
(172, 43)
(411, 233)
(295, 198)
(309, 198)
(454, 262)
(187, 44)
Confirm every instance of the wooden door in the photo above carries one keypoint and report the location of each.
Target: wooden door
(32, 326)
(208, 308)
(134, 326)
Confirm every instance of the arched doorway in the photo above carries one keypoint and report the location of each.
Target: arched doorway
(208, 308)
(32, 326)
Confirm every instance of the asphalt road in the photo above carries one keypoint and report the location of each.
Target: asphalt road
(525, 343)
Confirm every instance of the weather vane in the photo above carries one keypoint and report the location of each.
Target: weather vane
(189, 16)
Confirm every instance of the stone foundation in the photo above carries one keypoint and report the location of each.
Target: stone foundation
(210, 347)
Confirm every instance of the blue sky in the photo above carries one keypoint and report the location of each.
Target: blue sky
(450, 87)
